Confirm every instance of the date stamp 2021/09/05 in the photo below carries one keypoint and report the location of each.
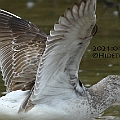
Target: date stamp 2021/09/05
(106, 52)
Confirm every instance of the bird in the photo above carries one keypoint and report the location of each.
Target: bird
(40, 71)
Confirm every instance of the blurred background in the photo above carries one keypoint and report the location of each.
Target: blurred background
(101, 58)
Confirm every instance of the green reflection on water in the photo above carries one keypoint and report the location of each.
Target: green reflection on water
(45, 14)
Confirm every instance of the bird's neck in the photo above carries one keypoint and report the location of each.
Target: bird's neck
(101, 96)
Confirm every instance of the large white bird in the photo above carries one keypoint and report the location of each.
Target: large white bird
(41, 72)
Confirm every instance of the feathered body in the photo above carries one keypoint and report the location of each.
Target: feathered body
(41, 72)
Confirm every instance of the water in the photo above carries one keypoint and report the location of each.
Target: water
(101, 58)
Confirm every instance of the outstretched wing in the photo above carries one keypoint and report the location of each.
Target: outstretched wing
(58, 71)
(57, 75)
(21, 47)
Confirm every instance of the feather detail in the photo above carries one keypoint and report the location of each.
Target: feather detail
(65, 47)
(21, 46)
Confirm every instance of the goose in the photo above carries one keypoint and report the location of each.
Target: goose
(41, 71)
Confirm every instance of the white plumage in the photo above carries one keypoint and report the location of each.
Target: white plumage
(41, 72)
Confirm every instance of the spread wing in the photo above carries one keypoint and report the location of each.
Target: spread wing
(57, 75)
(58, 72)
(21, 47)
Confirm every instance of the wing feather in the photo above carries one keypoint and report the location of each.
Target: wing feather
(21, 47)
(65, 47)
(57, 75)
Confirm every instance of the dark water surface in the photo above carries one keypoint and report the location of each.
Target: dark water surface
(101, 58)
